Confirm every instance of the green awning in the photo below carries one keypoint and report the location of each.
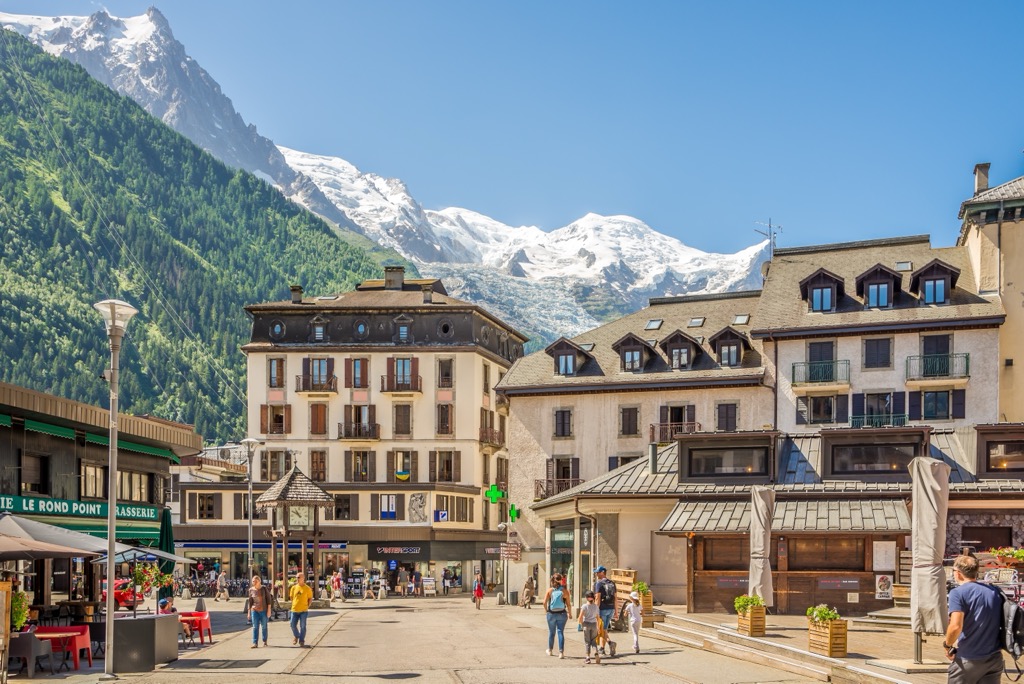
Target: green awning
(5, 420)
(127, 530)
(47, 429)
(133, 446)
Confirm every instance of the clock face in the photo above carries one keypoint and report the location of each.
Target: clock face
(298, 516)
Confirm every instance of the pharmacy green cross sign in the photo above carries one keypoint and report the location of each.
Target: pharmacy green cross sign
(513, 513)
(494, 494)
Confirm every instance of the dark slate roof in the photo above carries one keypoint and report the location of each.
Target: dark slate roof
(294, 488)
(1011, 190)
(537, 370)
(799, 476)
(782, 310)
(863, 515)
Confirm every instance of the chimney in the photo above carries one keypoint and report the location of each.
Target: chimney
(296, 294)
(394, 277)
(652, 459)
(428, 294)
(981, 178)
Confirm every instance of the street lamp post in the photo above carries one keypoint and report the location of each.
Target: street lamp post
(250, 444)
(503, 527)
(116, 315)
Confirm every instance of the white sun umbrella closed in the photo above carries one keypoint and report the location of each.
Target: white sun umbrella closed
(928, 607)
(762, 511)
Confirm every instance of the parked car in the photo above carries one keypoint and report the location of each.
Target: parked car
(124, 594)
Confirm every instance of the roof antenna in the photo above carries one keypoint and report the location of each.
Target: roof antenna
(769, 232)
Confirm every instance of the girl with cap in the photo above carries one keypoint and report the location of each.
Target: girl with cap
(634, 613)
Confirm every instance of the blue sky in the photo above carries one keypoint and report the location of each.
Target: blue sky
(838, 120)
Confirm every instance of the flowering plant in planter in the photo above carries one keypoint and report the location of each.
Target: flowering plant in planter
(1008, 553)
(148, 576)
(19, 609)
(822, 613)
(641, 587)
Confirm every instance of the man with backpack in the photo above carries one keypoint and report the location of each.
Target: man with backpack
(972, 641)
(604, 589)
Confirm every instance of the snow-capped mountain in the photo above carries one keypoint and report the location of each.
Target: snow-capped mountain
(544, 283)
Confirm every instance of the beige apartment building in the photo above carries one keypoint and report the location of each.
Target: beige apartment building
(383, 396)
(854, 359)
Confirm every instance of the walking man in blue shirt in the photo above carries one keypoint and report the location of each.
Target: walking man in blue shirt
(975, 618)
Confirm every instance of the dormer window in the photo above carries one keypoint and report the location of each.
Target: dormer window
(633, 352)
(729, 353)
(822, 290)
(934, 282)
(934, 291)
(319, 332)
(631, 359)
(822, 298)
(566, 364)
(878, 295)
(680, 358)
(403, 332)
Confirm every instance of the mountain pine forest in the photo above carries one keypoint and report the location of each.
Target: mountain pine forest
(97, 200)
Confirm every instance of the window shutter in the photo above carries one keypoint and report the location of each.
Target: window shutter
(391, 370)
(898, 403)
(959, 403)
(348, 372)
(472, 505)
(289, 461)
(801, 410)
(264, 419)
(663, 415)
(371, 471)
(374, 507)
(400, 506)
(238, 507)
(348, 466)
(192, 504)
(414, 470)
(457, 466)
(858, 404)
(842, 408)
(353, 506)
(691, 413)
(330, 369)
(550, 465)
(305, 368)
(613, 462)
(415, 372)
(372, 412)
(914, 406)
(723, 417)
(288, 419)
(574, 468)
(264, 467)
(217, 507)
(391, 466)
(433, 466)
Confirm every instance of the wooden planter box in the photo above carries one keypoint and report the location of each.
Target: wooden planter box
(751, 623)
(827, 638)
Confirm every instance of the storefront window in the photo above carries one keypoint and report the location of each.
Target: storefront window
(826, 553)
(562, 540)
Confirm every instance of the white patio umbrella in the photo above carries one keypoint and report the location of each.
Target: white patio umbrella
(762, 511)
(21, 548)
(929, 612)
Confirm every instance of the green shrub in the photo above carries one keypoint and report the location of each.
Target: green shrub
(822, 613)
(744, 602)
(641, 587)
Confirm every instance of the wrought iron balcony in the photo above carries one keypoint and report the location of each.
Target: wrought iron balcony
(492, 437)
(401, 383)
(939, 366)
(876, 420)
(358, 431)
(315, 383)
(542, 489)
(822, 372)
(666, 432)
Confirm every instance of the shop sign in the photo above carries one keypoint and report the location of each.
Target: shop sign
(732, 582)
(82, 509)
(839, 583)
(392, 565)
(397, 550)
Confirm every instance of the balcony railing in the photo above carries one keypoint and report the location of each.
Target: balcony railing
(666, 432)
(445, 382)
(877, 420)
(358, 431)
(826, 372)
(315, 383)
(401, 383)
(492, 437)
(939, 366)
(542, 489)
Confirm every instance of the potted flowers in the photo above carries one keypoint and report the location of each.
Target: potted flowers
(646, 597)
(750, 615)
(19, 610)
(1009, 557)
(826, 632)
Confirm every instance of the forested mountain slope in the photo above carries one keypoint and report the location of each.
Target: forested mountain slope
(98, 199)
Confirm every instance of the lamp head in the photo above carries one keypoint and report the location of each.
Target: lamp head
(116, 313)
(250, 443)
(502, 527)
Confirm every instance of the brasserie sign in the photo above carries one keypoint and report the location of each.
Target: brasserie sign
(84, 509)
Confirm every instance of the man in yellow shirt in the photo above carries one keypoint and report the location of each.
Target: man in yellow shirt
(301, 594)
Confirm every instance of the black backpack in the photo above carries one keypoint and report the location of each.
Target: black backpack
(1011, 633)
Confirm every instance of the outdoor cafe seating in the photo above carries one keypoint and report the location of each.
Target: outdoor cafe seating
(28, 649)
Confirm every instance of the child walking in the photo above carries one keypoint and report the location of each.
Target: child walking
(635, 619)
(589, 618)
